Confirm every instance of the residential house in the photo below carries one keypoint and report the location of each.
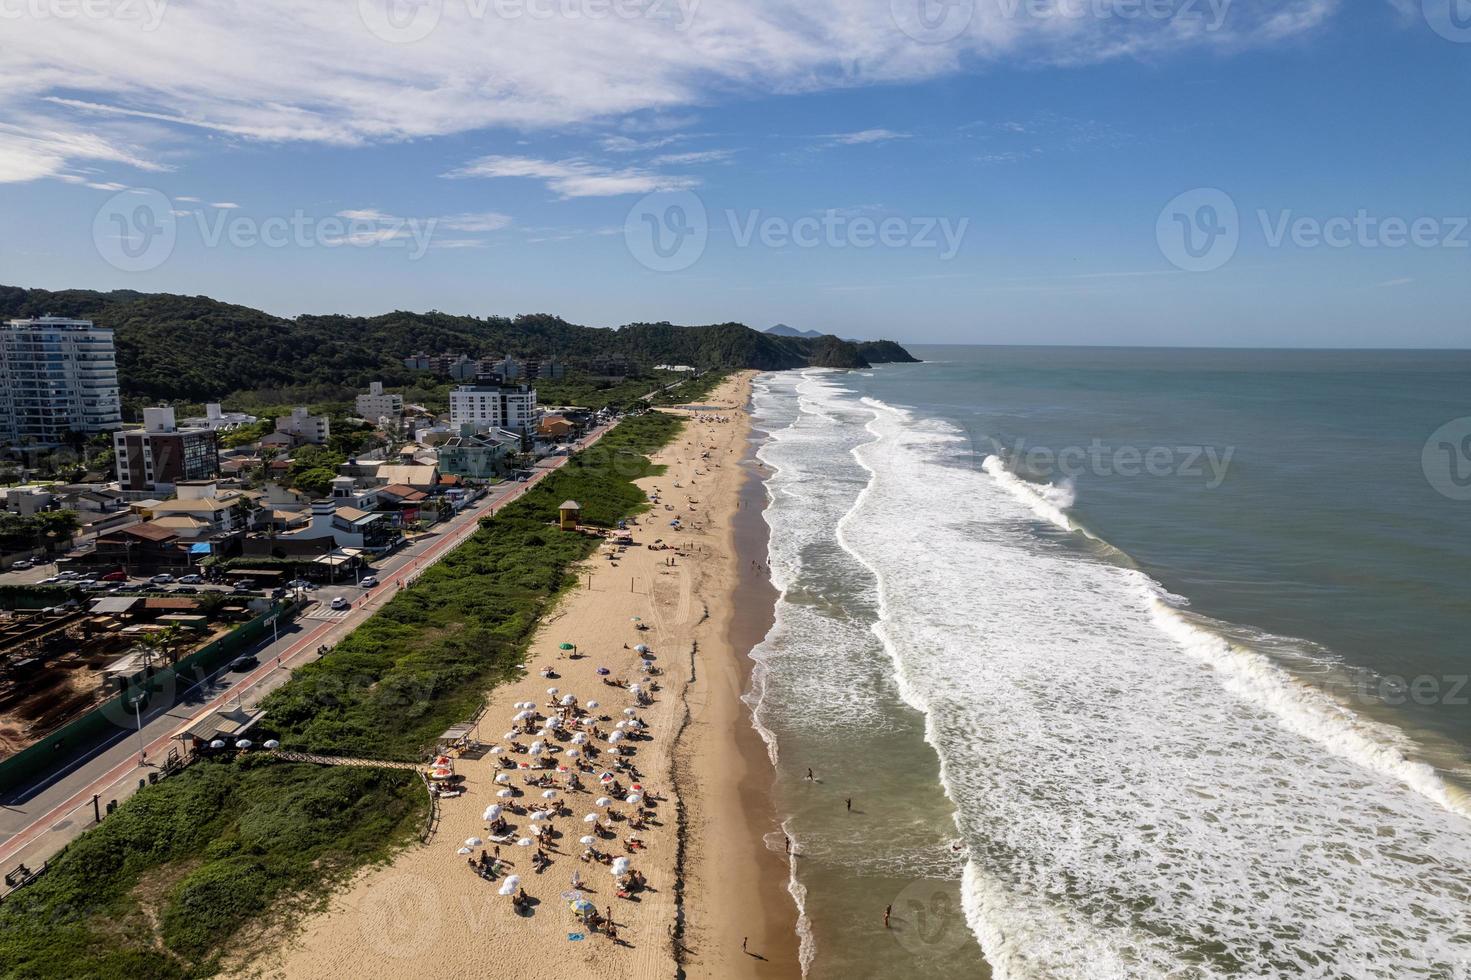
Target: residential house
(476, 456)
(222, 510)
(378, 404)
(554, 428)
(141, 549)
(218, 420)
(417, 476)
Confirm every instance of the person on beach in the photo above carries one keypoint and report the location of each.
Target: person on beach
(888, 910)
(809, 775)
(743, 943)
(849, 801)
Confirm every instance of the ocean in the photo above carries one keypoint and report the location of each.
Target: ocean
(1123, 663)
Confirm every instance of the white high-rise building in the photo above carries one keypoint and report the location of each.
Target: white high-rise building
(377, 404)
(510, 407)
(57, 376)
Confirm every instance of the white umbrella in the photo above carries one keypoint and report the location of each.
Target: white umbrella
(541, 815)
(550, 794)
(603, 801)
(552, 691)
(511, 734)
(521, 716)
(218, 743)
(620, 725)
(463, 850)
(574, 754)
(473, 842)
(633, 689)
(579, 739)
(525, 842)
(592, 704)
(615, 737)
(510, 885)
(243, 743)
(621, 866)
(502, 778)
(271, 743)
(537, 748)
(629, 712)
(496, 750)
(632, 798)
(590, 818)
(492, 812)
(589, 840)
(641, 648)
(506, 794)
(568, 701)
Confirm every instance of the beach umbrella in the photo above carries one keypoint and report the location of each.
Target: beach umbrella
(634, 689)
(496, 750)
(592, 704)
(473, 842)
(615, 738)
(271, 743)
(574, 754)
(590, 818)
(641, 648)
(510, 735)
(525, 842)
(636, 619)
(552, 691)
(582, 906)
(506, 794)
(630, 712)
(568, 700)
(606, 777)
(218, 743)
(243, 743)
(632, 798)
(621, 866)
(537, 748)
(589, 840)
(647, 664)
(550, 794)
(502, 778)
(492, 812)
(463, 850)
(603, 801)
(510, 885)
(541, 815)
(565, 646)
(604, 671)
(621, 725)
(579, 739)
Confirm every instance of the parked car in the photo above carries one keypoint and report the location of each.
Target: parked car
(162, 579)
(97, 586)
(117, 576)
(53, 580)
(190, 579)
(245, 585)
(369, 582)
(22, 564)
(186, 590)
(340, 603)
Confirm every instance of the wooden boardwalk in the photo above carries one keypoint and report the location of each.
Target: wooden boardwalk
(337, 760)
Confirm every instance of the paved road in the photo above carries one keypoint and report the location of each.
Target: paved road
(60, 809)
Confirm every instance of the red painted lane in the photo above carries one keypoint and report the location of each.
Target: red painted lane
(111, 777)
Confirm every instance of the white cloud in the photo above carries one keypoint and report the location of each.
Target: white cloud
(691, 158)
(864, 136)
(287, 71)
(225, 205)
(574, 177)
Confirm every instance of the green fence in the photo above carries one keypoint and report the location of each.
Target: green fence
(116, 713)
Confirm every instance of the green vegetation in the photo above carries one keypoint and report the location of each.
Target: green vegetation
(164, 885)
(585, 391)
(691, 391)
(194, 348)
(19, 533)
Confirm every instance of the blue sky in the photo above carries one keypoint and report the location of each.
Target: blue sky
(1261, 172)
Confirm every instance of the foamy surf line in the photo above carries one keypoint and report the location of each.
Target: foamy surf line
(1253, 676)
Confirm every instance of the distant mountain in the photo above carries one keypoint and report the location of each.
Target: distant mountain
(782, 330)
(193, 348)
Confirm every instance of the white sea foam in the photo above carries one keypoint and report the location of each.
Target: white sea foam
(1139, 797)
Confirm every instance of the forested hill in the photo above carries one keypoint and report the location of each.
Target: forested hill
(195, 348)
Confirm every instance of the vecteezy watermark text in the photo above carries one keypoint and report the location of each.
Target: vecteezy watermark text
(942, 21)
(668, 230)
(1446, 459)
(148, 14)
(1207, 463)
(407, 21)
(1200, 230)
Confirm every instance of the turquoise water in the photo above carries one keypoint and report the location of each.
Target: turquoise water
(1136, 663)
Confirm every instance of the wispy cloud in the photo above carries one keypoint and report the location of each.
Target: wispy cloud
(863, 137)
(692, 158)
(1391, 283)
(575, 177)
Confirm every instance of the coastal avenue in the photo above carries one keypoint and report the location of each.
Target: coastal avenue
(38, 827)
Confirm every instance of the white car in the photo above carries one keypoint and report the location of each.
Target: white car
(190, 579)
(338, 602)
(369, 582)
(163, 579)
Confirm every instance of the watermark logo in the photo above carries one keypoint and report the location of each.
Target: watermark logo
(400, 21)
(135, 230)
(932, 21)
(1200, 230)
(667, 231)
(836, 229)
(927, 918)
(1446, 459)
(1207, 465)
(1451, 19)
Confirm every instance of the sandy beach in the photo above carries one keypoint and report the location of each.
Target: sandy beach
(713, 883)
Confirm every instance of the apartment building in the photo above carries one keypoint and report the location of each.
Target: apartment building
(161, 455)
(510, 407)
(304, 427)
(377, 404)
(57, 376)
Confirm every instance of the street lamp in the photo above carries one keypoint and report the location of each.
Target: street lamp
(138, 715)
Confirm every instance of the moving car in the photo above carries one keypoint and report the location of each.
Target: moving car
(162, 579)
(339, 603)
(190, 579)
(244, 663)
(369, 582)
